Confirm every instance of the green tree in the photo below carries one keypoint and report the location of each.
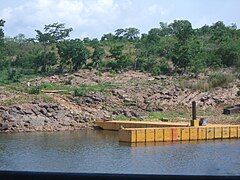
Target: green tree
(73, 53)
(98, 55)
(1, 38)
(117, 51)
(53, 33)
(108, 37)
(127, 33)
(119, 33)
(1, 31)
(14, 75)
(197, 55)
(131, 33)
(182, 29)
(121, 61)
(44, 61)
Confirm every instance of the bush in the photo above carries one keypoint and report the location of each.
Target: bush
(153, 65)
(35, 90)
(80, 92)
(201, 85)
(214, 80)
(161, 68)
(14, 75)
(219, 80)
(112, 64)
(68, 81)
(124, 62)
(83, 90)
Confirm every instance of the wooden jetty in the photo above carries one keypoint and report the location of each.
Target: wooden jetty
(141, 131)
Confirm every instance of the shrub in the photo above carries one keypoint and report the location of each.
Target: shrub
(219, 80)
(112, 73)
(68, 81)
(14, 75)
(80, 92)
(83, 90)
(35, 90)
(161, 68)
(124, 62)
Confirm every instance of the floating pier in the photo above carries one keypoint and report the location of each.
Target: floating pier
(135, 135)
(140, 131)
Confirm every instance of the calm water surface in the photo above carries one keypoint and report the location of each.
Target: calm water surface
(100, 152)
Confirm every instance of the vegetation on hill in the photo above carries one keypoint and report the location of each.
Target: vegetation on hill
(168, 49)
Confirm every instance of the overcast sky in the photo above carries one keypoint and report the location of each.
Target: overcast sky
(95, 17)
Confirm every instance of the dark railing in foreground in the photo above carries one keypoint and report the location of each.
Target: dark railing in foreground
(8, 175)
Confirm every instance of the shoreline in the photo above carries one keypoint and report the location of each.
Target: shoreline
(42, 117)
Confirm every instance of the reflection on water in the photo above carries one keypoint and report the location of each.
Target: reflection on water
(100, 152)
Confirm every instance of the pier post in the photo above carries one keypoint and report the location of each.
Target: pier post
(194, 110)
(194, 121)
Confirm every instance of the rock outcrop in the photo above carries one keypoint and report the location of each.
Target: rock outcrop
(39, 117)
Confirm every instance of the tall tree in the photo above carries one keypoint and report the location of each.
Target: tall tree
(53, 33)
(182, 29)
(73, 53)
(131, 33)
(98, 55)
(1, 37)
(119, 32)
(1, 31)
(107, 37)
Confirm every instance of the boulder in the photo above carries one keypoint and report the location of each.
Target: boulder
(27, 111)
(3, 126)
(43, 111)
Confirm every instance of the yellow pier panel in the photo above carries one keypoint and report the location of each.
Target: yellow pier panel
(238, 131)
(225, 132)
(131, 125)
(185, 134)
(127, 135)
(193, 133)
(233, 132)
(125, 125)
(107, 126)
(158, 135)
(176, 134)
(111, 126)
(202, 133)
(149, 135)
(117, 126)
(217, 133)
(124, 136)
(195, 123)
(141, 135)
(210, 132)
(167, 133)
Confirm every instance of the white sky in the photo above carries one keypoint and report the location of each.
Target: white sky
(93, 18)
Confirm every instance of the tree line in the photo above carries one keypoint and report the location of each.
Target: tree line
(170, 48)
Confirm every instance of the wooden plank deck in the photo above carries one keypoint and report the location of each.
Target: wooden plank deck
(116, 125)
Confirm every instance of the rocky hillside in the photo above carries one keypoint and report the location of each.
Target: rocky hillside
(75, 101)
(39, 117)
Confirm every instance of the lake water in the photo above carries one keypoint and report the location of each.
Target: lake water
(100, 152)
